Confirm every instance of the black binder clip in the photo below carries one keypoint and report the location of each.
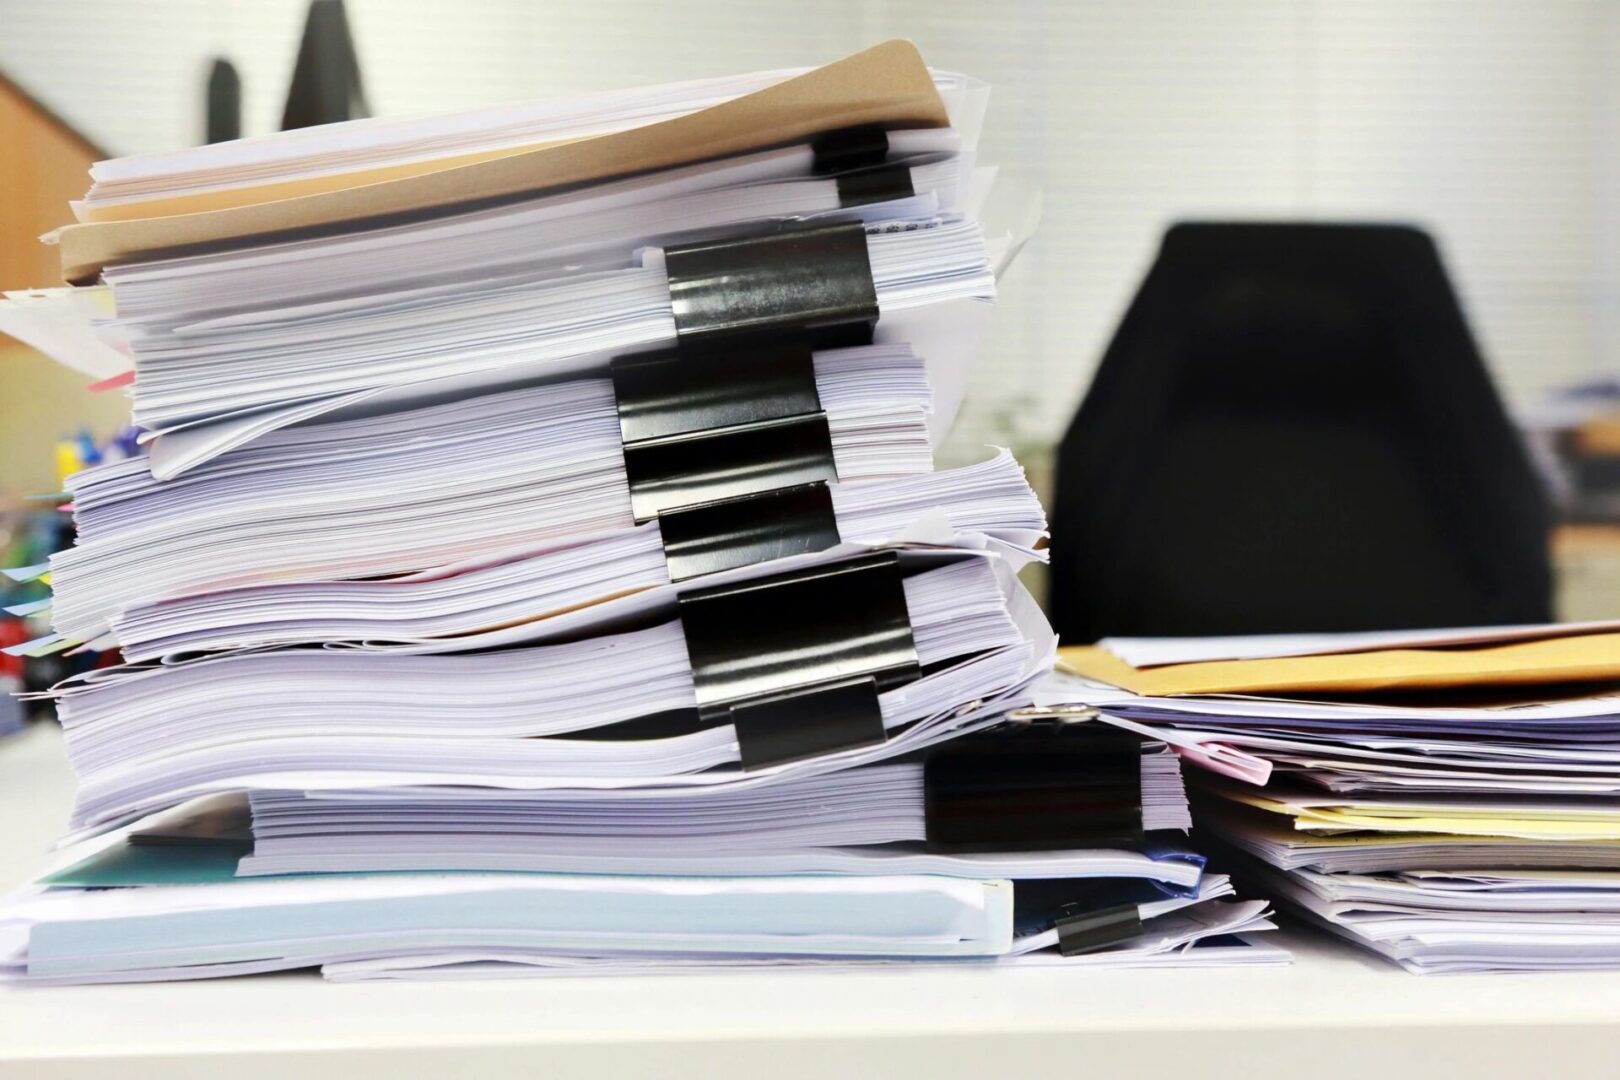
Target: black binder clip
(795, 661)
(1081, 932)
(1034, 787)
(725, 441)
(857, 158)
(664, 394)
(748, 529)
(850, 148)
(815, 283)
(884, 183)
(719, 426)
(1088, 914)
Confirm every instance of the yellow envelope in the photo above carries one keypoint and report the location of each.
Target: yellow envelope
(887, 86)
(1579, 659)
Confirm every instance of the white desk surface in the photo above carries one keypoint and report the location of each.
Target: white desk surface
(1334, 1013)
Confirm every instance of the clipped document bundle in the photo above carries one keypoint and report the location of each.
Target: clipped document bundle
(564, 585)
(870, 819)
(1445, 798)
(537, 565)
(426, 487)
(604, 710)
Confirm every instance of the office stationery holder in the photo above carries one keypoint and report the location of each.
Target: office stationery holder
(849, 148)
(1034, 787)
(748, 529)
(698, 429)
(725, 440)
(795, 661)
(1088, 914)
(883, 183)
(856, 159)
(814, 283)
(1080, 932)
(730, 452)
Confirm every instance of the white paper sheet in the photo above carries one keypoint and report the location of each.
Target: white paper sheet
(1157, 652)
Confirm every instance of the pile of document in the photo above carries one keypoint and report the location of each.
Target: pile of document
(538, 566)
(1445, 798)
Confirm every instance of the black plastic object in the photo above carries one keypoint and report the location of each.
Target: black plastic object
(813, 283)
(688, 470)
(858, 158)
(699, 429)
(849, 148)
(748, 529)
(1083, 932)
(662, 394)
(1034, 787)
(1292, 431)
(796, 661)
(881, 184)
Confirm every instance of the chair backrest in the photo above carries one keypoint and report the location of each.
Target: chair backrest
(1293, 430)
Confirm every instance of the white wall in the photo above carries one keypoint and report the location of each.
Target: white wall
(1496, 123)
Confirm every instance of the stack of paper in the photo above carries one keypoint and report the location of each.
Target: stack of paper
(215, 383)
(145, 737)
(408, 925)
(1445, 798)
(421, 487)
(539, 566)
(237, 173)
(832, 824)
(557, 586)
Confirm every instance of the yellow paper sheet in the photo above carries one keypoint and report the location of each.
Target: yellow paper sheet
(1586, 658)
(887, 85)
(1277, 828)
(1527, 825)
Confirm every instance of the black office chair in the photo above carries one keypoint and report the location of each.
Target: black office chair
(1292, 430)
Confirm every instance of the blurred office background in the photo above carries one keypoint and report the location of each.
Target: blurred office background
(1493, 124)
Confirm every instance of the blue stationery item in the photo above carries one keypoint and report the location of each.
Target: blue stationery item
(1164, 851)
(184, 931)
